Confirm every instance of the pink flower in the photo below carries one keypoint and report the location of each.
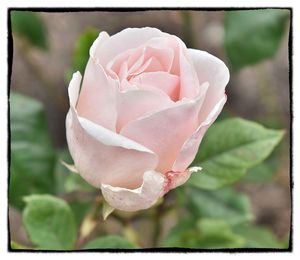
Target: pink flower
(145, 103)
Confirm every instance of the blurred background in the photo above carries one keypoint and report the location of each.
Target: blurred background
(258, 90)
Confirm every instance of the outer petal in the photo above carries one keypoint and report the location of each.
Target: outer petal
(127, 39)
(164, 132)
(97, 100)
(136, 199)
(102, 156)
(210, 68)
(103, 36)
(190, 147)
(189, 82)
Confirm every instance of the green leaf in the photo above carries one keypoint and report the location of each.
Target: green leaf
(253, 35)
(229, 149)
(109, 242)
(226, 204)
(30, 26)
(32, 153)
(204, 233)
(183, 234)
(258, 237)
(49, 222)
(263, 172)
(81, 51)
(217, 235)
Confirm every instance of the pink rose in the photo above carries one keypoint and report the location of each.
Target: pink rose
(145, 103)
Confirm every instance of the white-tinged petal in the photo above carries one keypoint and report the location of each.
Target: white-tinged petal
(210, 68)
(189, 83)
(190, 147)
(95, 48)
(73, 89)
(110, 138)
(135, 199)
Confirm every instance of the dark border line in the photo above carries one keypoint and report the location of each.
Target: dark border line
(137, 9)
(290, 55)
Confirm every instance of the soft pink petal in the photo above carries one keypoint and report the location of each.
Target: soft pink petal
(190, 147)
(153, 64)
(169, 42)
(182, 64)
(210, 68)
(137, 60)
(164, 132)
(164, 81)
(135, 199)
(135, 103)
(102, 156)
(97, 99)
(164, 56)
(189, 83)
(132, 58)
(127, 39)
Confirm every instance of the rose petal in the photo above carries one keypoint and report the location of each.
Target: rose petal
(210, 68)
(183, 177)
(135, 103)
(162, 80)
(178, 178)
(73, 89)
(163, 56)
(102, 37)
(97, 99)
(164, 132)
(97, 151)
(135, 199)
(127, 39)
(138, 60)
(190, 147)
(189, 83)
(182, 64)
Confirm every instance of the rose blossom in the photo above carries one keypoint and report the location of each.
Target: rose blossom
(145, 103)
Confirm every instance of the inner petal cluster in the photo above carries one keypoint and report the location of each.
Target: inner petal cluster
(146, 68)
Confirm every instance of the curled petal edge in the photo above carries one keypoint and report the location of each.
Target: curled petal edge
(141, 198)
(181, 178)
(190, 147)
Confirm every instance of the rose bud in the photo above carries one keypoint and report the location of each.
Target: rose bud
(136, 122)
